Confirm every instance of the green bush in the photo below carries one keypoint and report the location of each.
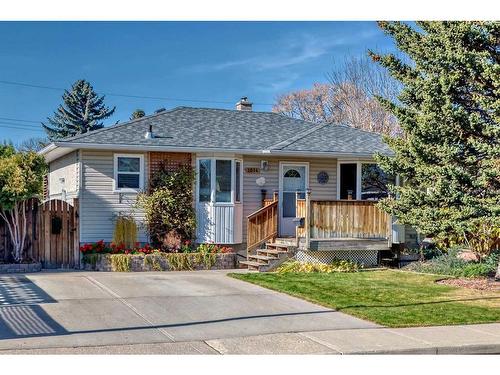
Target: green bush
(450, 264)
(168, 207)
(309, 267)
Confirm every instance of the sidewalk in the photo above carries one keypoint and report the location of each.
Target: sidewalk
(470, 339)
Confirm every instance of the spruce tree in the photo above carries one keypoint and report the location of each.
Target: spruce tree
(449, 109)
(82, 111)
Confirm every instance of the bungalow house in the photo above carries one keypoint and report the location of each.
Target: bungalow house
(260, 176)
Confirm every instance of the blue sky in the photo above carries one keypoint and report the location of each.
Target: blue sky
(209, 61)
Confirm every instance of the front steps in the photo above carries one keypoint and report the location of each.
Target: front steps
(272, 256)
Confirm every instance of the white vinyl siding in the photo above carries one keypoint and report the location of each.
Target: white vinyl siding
(99, 203)
(63, 177)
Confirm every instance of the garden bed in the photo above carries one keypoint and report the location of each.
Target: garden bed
(20, 267)
(482, 283)
(158, 262)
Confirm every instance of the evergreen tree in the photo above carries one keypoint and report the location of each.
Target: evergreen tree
(449, 109)
(82, 111)
(138, 113)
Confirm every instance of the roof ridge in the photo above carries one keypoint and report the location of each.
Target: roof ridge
(287, 142)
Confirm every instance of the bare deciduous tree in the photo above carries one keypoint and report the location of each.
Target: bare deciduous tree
(348, 98)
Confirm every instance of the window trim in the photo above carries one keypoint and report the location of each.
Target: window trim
(116, 189)
(241, 181)
(213, 176)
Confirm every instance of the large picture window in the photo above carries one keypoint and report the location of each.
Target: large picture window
(362, 180)
(128, 172)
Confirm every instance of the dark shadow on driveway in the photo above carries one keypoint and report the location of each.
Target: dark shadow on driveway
(19, 290)
(20, 315)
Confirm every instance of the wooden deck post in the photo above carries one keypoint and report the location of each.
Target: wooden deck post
(307, 221)
(275, 195)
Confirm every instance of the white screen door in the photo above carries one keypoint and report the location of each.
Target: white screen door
(293, 178)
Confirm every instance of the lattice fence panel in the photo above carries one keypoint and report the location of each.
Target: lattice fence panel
(363, 257)
(169, 160)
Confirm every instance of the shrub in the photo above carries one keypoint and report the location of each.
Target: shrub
(210, 248)
(450, 264)
(168, 207)
(121, 262)
(309, 267)
(125, 231)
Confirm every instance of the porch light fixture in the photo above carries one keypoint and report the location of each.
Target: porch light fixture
(261, 181)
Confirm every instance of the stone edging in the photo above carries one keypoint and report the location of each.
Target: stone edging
(20, 267)
(139, 263)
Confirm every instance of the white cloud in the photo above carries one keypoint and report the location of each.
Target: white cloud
(294, 50)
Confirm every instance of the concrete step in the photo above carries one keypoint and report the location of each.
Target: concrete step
(290, 241)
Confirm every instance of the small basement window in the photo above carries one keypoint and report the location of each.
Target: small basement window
(128, 172)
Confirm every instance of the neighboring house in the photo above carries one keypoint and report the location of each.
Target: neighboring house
(242, 159)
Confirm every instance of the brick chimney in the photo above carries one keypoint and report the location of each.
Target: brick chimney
(244, 104)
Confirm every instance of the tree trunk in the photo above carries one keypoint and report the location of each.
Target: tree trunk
(17, 229)
(497, 275)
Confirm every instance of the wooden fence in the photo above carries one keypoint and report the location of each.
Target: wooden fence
(52, 235)
(344, 219)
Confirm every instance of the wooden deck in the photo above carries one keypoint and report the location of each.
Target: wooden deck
(326, 225)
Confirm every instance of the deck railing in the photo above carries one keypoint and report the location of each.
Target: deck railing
(262, 225)
(343, 219)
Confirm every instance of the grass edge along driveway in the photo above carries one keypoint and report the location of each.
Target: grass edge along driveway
(387, 297)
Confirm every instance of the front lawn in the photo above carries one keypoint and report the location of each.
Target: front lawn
(391, 298)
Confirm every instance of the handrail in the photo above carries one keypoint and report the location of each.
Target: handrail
(255, 213)
(262, 226)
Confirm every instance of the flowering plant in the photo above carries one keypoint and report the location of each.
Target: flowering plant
(100, 247)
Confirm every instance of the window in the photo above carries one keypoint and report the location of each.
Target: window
(374, 182)
(219, 180)
(205, 173)
(223, 181)
(237, 174)
(292, 173)
(363, 180)
(128, 172)
(348, 181)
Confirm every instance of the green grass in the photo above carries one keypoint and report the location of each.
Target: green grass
(390, 298)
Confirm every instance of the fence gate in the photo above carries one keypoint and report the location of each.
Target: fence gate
(58, 235)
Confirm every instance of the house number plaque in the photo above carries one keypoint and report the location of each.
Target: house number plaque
(252, 170)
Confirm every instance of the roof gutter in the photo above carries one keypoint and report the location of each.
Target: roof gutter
(66, 147)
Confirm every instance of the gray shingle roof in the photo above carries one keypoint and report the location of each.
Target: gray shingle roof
(229, 129)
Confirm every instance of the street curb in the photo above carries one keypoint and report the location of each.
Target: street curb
(463, 349)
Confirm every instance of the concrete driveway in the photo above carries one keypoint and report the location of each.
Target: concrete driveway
(72, 309)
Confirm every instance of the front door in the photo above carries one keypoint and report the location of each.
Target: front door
(293, 178)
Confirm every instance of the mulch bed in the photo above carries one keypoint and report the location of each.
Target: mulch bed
(479, 283)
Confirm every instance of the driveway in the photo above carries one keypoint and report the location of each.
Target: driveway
(71, 309)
